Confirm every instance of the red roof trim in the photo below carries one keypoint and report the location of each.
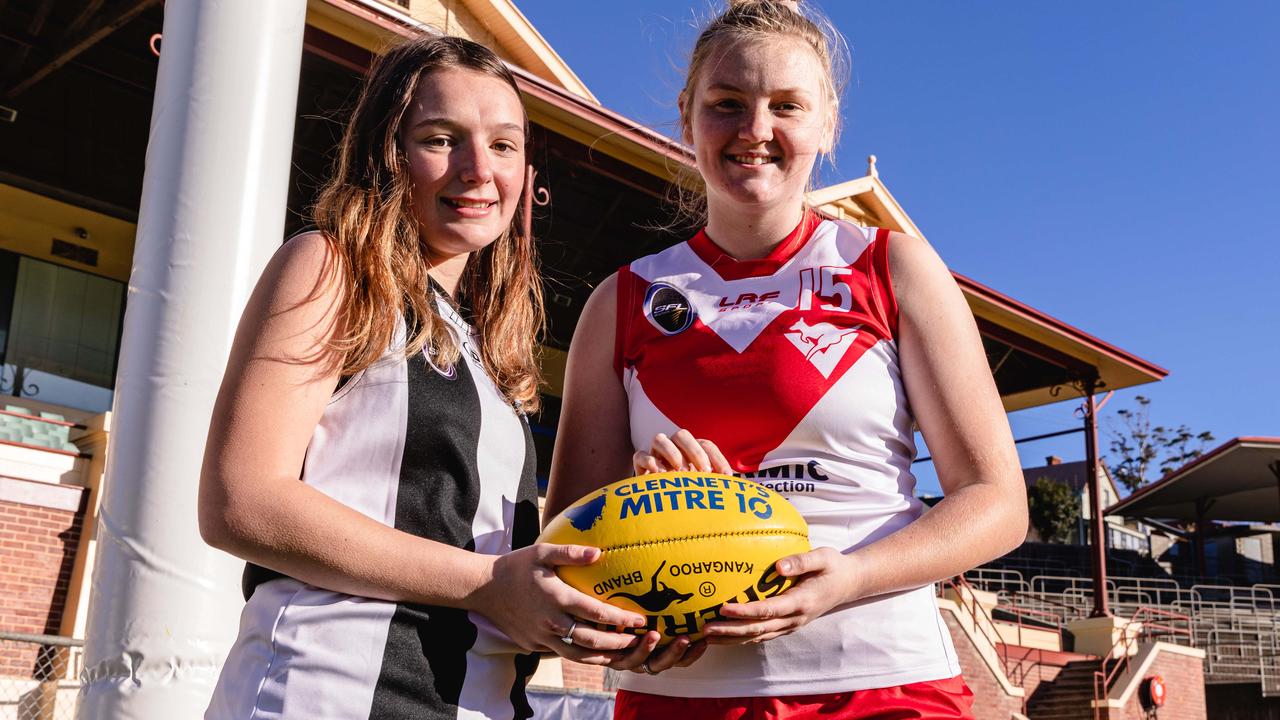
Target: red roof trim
(603, 117)
(372, 15)
(1029, 313)
(335, 49)
(547, 92)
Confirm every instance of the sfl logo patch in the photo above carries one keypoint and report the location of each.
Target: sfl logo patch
(668, 309)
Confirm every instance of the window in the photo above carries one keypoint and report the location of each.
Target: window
(1124, 539)
(59, 333)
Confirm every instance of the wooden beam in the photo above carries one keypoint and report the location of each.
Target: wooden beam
(33, 29)
(1018, 341)
(90, 9)
(42, 14)
(335, 49)
(91, 37)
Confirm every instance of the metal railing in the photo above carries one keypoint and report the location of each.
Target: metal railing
(1063, 608)
(997, 580)
(39, 676)
(1149, 623)
(1016, 669)
(1269, 667)
(1253, 597)
(1020, 665)
(1242, 655)
(1237, 625)
(1066, 584)
(1129, 593)
(1160, 591)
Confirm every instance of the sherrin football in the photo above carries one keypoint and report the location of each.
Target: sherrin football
(676, 546)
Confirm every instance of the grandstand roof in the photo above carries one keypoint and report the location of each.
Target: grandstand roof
(1238, 481)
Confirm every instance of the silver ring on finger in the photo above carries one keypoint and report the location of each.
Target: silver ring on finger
(648, 670)
(568, 636)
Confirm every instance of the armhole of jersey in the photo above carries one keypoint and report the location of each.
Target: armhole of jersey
(885, 297)
(622, 315)
(345, 384)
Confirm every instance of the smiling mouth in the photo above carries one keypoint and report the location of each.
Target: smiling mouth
(464, 203)
(754, 159)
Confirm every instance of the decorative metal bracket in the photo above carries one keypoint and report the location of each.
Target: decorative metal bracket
(1082, 385)
(531, 196)
(17, 387)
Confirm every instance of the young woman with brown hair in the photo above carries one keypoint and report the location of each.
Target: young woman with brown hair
(368, 454)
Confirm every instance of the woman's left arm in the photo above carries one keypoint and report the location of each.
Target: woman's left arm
(957, 408)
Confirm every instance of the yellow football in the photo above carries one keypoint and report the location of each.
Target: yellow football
(677, 546)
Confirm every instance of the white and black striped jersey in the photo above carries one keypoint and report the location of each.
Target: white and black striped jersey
(437, 452)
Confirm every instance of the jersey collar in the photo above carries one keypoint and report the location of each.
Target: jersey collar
(730, 268)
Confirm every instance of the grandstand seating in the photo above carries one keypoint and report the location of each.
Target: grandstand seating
(46, 429)
(1236, 624)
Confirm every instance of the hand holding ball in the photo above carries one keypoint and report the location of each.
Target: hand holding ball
(676, 546)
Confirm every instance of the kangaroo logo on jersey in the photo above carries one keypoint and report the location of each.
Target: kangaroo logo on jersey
(668, 309)
(823, 344)
(659, 597)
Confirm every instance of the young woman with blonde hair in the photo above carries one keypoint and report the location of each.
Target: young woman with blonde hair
(802, 352)
(368, 454)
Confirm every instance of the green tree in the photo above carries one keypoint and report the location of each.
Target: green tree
(1137, 448)
(1054, 510)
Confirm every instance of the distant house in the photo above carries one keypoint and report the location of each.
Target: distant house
(1131, 536)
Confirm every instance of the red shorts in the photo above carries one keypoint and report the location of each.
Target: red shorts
(948, 699)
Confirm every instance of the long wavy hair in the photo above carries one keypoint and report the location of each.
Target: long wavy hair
(365, 211)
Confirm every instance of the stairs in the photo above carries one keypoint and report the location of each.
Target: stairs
(1069, 697)
(27, 428)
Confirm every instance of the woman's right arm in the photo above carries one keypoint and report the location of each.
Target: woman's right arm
(593, 442)
(279, 378)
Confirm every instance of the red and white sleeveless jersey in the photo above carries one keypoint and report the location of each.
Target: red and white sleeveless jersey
(789, 363)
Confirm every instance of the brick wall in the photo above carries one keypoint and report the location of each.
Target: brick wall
(991, 702)
(1183, 678)
(577, 675)
(37, 551)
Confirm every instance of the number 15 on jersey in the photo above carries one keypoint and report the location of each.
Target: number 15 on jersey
(830, 286)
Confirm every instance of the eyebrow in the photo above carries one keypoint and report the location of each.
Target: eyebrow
(446, 122)
(735, 88)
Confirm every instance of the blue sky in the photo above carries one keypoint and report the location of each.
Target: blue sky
(1116, 165)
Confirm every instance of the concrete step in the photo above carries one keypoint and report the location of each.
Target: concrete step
(1069, 696)
(1037, 712)
(1058, 698)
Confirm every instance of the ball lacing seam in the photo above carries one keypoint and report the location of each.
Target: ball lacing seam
(703, 536)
